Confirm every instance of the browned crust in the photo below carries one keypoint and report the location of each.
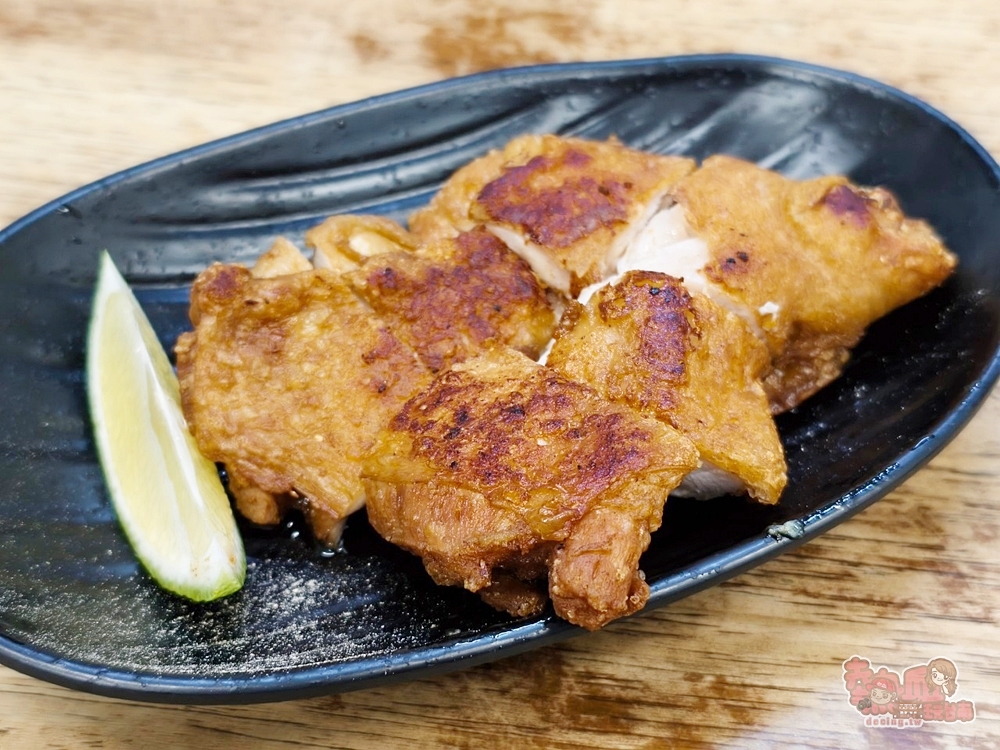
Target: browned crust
(832, 256)
(497, 467)
(458, 297)
(556, 201)
(514, 596)
(489, 438)
(810, 362)
(648, 343)
(263, 394)
(568, 196)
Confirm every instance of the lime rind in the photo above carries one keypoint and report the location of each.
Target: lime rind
(167, 495)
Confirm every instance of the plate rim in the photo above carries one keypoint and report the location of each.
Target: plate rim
(365, 672)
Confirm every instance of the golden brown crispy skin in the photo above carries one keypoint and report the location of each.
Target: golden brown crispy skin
(563, 203)
(281, 259)
(504, 468)
(260, 507)
(457, 297)
(341, 243)
(286, 381)
(515, 596)
(648, 343)
(833, 257)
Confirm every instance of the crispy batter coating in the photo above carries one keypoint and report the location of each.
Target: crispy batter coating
(814, 262)
(457, 297)
(265, 508)
(567, 205)
(646, 342)
(342, 243)
(503, 469)
(281, 259)
(286, 381)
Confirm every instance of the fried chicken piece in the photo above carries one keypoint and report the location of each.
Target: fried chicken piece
(457, 296)
(809, 265)
(567, 206)
(342, 243)
(281, 259)
(503, 470)
(260, 507)
(646, 342)
(286, 381)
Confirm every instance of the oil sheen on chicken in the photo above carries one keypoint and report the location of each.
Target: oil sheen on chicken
(810, 265)
(567, 206)
(263, 394)
(456, 296)
(504, 472)
(807, 265)
(647, 342)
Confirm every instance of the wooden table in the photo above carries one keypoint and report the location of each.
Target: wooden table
(89, 87)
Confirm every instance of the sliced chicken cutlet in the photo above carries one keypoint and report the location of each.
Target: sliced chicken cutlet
(567, 206)
(647, 342)
(286, 381)
(504, 471)
(456, 296)
(809, 265)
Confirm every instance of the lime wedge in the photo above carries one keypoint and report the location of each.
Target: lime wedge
(168, 496)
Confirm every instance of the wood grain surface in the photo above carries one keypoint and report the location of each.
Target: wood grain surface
(90, 87)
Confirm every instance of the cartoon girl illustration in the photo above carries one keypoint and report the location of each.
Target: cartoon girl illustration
(941, 677)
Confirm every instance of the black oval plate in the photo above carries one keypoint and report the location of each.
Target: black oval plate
(76, 609)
